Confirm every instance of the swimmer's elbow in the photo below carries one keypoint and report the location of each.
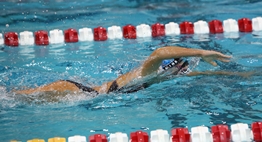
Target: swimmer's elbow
(166, 52)
(158, 54)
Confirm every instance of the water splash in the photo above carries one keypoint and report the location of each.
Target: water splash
(12, 100)
(6, 100)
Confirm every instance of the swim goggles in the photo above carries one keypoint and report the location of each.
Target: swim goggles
(167, 64)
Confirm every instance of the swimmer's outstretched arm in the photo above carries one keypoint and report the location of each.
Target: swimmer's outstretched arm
(154, 60)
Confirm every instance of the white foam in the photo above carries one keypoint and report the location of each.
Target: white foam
(7, 100)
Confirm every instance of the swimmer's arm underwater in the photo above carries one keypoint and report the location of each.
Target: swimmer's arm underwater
(242, 74)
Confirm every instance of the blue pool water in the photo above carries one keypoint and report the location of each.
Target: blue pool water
(181, 102)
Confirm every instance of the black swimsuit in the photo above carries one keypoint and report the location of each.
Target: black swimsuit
(82, 87)
(113, 87)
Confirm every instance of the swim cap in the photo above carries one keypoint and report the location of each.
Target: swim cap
(166, 64)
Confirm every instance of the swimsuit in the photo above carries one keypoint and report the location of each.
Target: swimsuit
(82, 87)
(113, 87)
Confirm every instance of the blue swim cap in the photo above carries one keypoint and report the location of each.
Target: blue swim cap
(166, 64)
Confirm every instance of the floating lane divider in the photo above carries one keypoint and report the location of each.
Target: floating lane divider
(229, 27)
(240, 132)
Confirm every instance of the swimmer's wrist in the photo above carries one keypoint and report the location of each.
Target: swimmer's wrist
(200, 53)
(204, 53)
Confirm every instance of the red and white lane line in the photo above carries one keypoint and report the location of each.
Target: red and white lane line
(239, 132)
(229, 27)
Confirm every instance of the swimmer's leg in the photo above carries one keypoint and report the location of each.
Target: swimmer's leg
(59, 86)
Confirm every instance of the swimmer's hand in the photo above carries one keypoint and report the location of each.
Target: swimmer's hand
(211, 56)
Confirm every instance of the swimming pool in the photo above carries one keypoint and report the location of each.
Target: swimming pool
(182, 102)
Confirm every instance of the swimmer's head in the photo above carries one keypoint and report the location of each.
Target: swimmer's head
(177, 66)
(167, 64)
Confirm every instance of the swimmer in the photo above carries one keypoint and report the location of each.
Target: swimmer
(163, 64)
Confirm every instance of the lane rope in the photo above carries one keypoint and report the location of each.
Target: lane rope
(239, 132)
(230, 28)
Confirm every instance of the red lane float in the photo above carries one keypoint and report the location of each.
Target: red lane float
(129, 32)
(98, 138)
(158, 30)
(41, 38)
(186, 28)
(245, 25)
(11, 39)
(180, 135)
(100, 34)
(221, 133)
(71, 35)
(139, 136)
(215, 26)
(257, 131)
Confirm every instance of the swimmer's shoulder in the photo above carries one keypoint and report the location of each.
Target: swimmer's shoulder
(119, 82)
